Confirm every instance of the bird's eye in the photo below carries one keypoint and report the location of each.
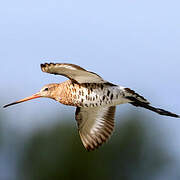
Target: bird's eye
(46, 89)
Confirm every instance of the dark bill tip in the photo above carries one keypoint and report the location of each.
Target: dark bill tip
(37, 95)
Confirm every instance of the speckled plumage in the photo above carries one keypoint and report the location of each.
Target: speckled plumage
(95, 99)
(90, 94)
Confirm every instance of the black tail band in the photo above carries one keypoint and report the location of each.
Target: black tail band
(147, 106)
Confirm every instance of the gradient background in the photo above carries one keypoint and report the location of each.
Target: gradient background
(132, 43)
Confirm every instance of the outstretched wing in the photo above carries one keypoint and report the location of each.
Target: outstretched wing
(95, 125)
(73, 72)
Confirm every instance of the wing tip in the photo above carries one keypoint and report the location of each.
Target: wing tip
(45, 66)
(91, 143)
(42, 66)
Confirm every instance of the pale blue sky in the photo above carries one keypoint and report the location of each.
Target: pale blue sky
(132, 43)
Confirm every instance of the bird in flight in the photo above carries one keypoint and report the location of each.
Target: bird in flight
(95, 100)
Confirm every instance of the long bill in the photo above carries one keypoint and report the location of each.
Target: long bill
(37, 95)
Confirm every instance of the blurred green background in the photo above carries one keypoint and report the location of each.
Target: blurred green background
(57, 153)
(132, 43)
(136, 150)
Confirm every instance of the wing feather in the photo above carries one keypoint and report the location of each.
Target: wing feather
(73, 72)
(95, 125)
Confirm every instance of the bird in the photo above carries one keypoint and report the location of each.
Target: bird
(95, 100)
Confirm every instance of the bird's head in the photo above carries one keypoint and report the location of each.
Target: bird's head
(46, 91)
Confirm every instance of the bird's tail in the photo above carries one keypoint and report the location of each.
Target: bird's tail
(136, 102)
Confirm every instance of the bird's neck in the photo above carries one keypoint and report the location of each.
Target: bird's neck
(61, 92)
